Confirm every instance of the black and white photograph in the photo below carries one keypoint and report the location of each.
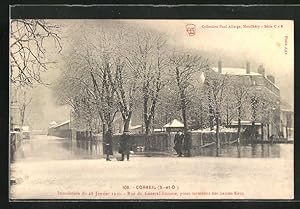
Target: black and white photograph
(147, 109)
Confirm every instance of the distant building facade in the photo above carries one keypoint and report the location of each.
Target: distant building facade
(260, 82)
(287, 120)
(62, 130)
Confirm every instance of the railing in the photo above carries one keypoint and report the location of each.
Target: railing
(142, 143)
(139, 142)
(162, 143)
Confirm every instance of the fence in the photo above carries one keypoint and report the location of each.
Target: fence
(139, 142)
(142, 143)
(161, 142)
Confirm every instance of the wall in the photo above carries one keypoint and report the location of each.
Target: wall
(65, 133)
(287, 124)
(158, 142)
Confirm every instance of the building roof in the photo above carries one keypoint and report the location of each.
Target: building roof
(52, 124)
(174, 124)
(235, 71)
(61, 124)
(241, 72)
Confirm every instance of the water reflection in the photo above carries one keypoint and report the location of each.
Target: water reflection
(242, 151)
(88, 149)
(45, 148)
(50, 148)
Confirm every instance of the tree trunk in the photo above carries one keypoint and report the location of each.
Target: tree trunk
(253, 132)
(217, 131)
(262, 131)
(254, 109)
(146, 120)
(211, 120)
(201, 116)
(227, 115)
(126, 125)
(210, 110)
(22, 112)
(109, 126)
(182, 100)
(127, 122)
(183, 111)
(147, 127)
(147, 132)
(287, 131)
(268, 131)
(239, 122)
(239, 130)
(103, 131)
(167, 117)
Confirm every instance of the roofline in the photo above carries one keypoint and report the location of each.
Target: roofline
(61, 124)
(271, 83)
(258, 74)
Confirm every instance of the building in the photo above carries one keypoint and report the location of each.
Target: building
(173, 126)
(259, 82)
(286, 120)
(62, 130)
(256, 79)
(138, 129)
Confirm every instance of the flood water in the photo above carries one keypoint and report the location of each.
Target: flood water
(41, 147)
(243, 151)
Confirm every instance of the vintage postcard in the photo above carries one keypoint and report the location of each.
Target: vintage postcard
(119, 109)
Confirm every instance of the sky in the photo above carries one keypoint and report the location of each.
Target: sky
(261, 42)
(235, 46)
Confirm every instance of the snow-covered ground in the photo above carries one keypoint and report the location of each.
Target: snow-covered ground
(154, 178)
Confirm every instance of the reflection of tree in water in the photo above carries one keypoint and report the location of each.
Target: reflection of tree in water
(87, 149)
(243, 151)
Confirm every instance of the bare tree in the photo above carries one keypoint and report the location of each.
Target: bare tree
(168, 106)
(240, 90)
(24, 100)
(264, 108)
(92, 67)
(105, 93)
(74, 89)
(125, 87)
(28, 44)
(184, 67)
(148, 60)
(216, 85)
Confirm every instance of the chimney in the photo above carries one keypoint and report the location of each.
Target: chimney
(271, 78)
(220, 66)
(261, 70)
(248, 67)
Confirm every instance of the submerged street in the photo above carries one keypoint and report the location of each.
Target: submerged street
(50, 167)
(151, 109)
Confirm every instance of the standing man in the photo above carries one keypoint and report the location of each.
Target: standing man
(108, 144)
(124, 145)
(178, 143)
